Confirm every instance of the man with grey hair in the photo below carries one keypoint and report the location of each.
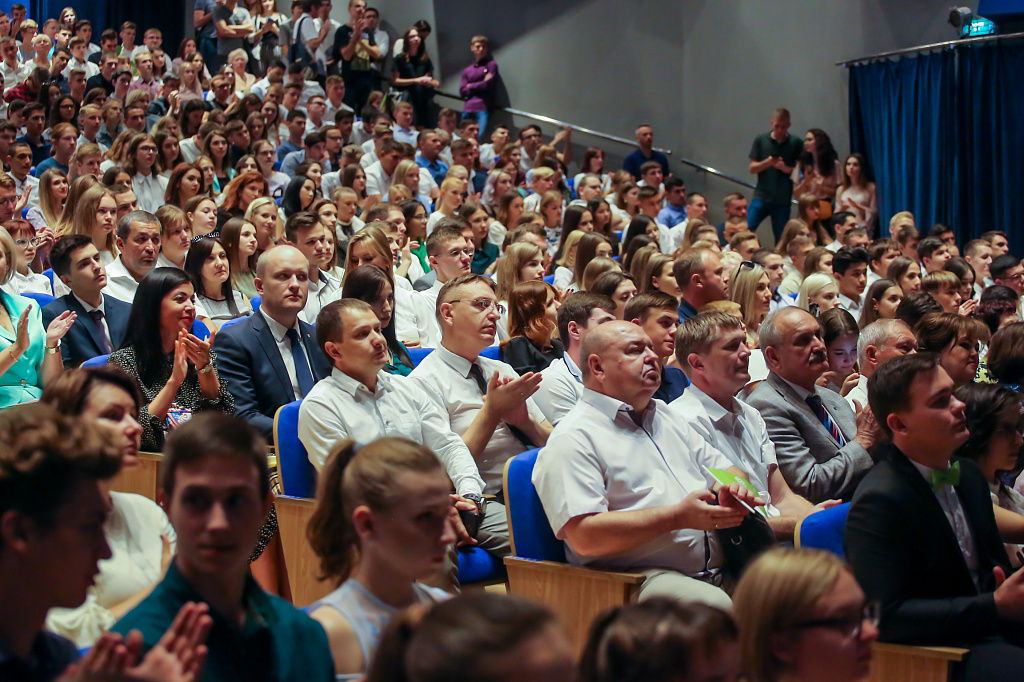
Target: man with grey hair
(712, 350)
(821, 444)
(272, 358)
(879, 341)
(626, 484)
(138, 240)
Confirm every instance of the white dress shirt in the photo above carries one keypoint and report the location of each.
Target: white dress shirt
(31, 184)
(953, 508)
(740, 434)
(284, 347)
(101, 307)
(598, 460)
(561, 385)
(415, 320)
(849, 305)
(90, 68)
(149, 190)
(120, 283)
(377, 180)
(189, 150)
(331, 112)
(340, 407)
(326, 290)
(106, 257)
(32, 283)
(445, 378)
(858, 393)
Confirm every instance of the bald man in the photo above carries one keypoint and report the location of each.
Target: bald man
(272, 358)
(626, 484)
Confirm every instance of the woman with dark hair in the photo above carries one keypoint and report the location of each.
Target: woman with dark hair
(574, 218)
(603, 218)
(413, 77)
(993, 415)
(485, 253)
(186, 181)
(263, 152)
(618, 286)
(955, 340)
(818, 169)
(416, 232)
(374, 286)
(996, 314)
(298, 196)
(215, 148)
(532, 328)
(593, 162)
(881, 301)
(168, 151)
(140, 537)
(840, 332)
(959, 266)
(176, 370)
(640, 225)
(635, 244)
(662, 640)
(242, 191)
(857, 193)
(354, 177)
(590, 246)
(63, 110)
(906, 272)
(1006, 356)
(141, 163)
(238, 237)
(312, 169)
(208, 267)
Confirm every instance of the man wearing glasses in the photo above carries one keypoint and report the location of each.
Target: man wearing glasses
(8, 197)
(921, 535)
(486, 402)
(449, 253)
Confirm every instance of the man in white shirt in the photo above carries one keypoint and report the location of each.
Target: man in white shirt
(275, 74)
(507, 422)
(360, 400)
(371, 148)
(712, 350)
(626, 484)
(11, 69)
(404, 132)
(380, 172)
(850, 268)
(879, 341)
(978, 253)
(89, 122)
(335, 87)
(305, 232)
(138, 240)
(561, 383)
(449, 253)
(19, 160)
(315, 109)
(78, 59)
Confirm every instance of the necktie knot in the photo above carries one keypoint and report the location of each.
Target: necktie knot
(948, 476)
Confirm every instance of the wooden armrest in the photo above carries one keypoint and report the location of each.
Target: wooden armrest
(944, 653)
(570, 570)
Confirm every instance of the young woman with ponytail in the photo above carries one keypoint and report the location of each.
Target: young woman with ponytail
(382, 522)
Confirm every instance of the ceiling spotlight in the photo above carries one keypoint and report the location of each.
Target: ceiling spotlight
(967, 25)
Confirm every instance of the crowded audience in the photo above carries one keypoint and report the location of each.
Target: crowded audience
(281, 213)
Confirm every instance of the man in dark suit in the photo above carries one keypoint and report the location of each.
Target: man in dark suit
(821, 445)
(102, 321)
(921, 535)
(272, 358)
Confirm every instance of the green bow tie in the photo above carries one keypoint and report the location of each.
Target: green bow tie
(948, 476)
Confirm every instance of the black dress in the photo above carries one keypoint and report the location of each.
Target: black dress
(526, 356)
(420, 96)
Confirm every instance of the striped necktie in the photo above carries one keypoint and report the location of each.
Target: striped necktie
(818, 408)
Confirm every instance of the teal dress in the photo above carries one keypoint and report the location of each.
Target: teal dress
(23, 382)
(396, 366)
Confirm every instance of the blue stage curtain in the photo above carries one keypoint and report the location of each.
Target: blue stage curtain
(901, 117)
(991, 137)
(943, 135)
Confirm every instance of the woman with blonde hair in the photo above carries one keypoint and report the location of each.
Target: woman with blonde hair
(803, 618)
(238, 59)
(53, 193)
(818, 293)
(75, 191)
(522, 262)
(564, 272)
(175, 237)
(407, 174)
(550, 210)
(264, 216)
(748, 286)
(532, 328)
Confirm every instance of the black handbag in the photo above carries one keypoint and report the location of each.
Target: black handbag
(744, 542)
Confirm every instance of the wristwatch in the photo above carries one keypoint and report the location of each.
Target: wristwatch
(479, 501)
(207, 368)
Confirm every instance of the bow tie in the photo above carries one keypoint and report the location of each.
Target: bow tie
(948, 476)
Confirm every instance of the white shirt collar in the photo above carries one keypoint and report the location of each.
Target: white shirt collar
(88, 307)
(276, 328)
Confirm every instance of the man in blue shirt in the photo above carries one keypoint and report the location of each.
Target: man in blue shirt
(218, 496)
(674, 211)
(701, 279)
(644, 153)
(206, 32)
(430, 145)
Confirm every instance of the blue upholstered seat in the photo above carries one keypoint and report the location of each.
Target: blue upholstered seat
(824, 530)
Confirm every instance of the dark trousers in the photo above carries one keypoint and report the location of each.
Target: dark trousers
(759, 210)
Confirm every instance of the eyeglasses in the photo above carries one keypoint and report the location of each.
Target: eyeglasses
(8, 201)
(850, 626)
(483, 305)
(22, 243)
(455, 253)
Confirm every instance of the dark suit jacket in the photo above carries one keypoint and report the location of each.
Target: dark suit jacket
(905, 554)
(248, 358)
(83, 340)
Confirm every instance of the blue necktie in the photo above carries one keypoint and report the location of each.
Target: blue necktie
(819, 409)
(302, 371)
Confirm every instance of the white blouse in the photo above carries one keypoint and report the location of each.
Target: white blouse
(133, 532)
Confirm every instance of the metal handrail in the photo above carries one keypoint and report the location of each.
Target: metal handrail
(611, 138)
(932, 46)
